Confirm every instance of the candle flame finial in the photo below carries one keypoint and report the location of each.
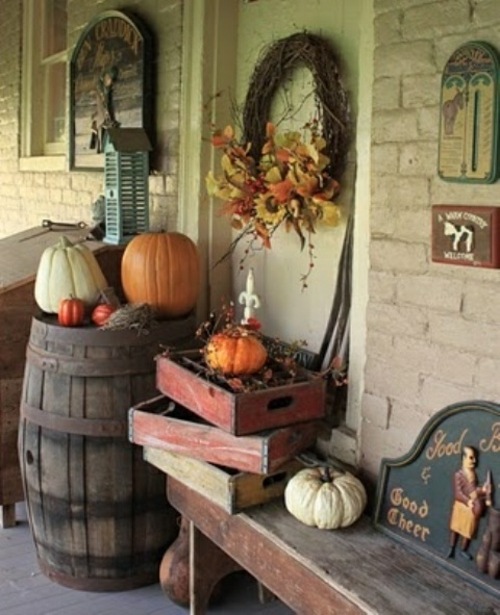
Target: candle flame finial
(249, 298)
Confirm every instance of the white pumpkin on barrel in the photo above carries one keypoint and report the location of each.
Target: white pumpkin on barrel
(67, 270)
(325, 498)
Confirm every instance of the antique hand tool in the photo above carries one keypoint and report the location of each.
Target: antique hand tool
(50, 225)
(61, 226)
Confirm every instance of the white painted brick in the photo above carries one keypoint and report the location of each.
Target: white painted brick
(383, 286)
(384, 158)
(488, 375)
(429, 291)
(412, 226)
(382, 223)
(482, 302)
(397, 320)
(443, 192)
(428, 122)
(388, 27)
(436, 394)
(9, 191)
(420, 90)
(457, 367)
(395, 126)
(385, 379)
(447, 16)
(485, 13)
(379, 344)
(405, 424)
(376, 410)
(418, 355)
(381, 6)
(398, 256)
(57, 180)
(402, 58)
(470, 336)
(418, 158)
(408, 193)
(386, 93)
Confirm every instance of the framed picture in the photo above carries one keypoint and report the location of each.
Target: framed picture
(111, 85)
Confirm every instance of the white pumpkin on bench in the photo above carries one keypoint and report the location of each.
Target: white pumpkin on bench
(325, 498)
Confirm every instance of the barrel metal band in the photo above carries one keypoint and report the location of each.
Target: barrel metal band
(49, 362)
(75, 426)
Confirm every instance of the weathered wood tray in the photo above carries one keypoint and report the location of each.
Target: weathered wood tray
(231, 490)
(161, 423)
(183, 378)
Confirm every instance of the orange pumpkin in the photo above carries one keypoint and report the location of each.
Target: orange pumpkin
(71, 312)
(163, 270)
(101, 313)
(236, 353)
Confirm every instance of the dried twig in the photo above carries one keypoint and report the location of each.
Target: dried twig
(274, 67)
(135, 317)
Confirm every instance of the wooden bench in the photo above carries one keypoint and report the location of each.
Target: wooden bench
(315, 572)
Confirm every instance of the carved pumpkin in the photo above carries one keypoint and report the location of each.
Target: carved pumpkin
(236, 352)
(325, 498)
(71, 312)
(65, 270)
(163, 270)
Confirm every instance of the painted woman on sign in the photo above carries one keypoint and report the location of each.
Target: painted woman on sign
(104, 116)
(470, 502)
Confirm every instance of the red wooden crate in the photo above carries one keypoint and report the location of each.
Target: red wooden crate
(181, 377)
(161, 423)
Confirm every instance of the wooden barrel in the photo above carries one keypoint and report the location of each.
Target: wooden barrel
(97, 511)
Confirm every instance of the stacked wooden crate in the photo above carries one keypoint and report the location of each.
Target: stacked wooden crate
(237, 448)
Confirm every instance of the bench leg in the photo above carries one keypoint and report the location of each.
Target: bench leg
(208, 565)
(265, 595)
(7, 515)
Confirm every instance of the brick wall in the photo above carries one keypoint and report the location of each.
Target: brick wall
(433, 330)
(28, 197)
(10, 71)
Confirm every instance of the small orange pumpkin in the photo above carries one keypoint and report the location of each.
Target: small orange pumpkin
(71, 312)
(163, 270)
(101, 313)
(236, 353)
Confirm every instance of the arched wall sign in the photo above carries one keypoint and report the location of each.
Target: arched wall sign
(111, 84)
(469, 115)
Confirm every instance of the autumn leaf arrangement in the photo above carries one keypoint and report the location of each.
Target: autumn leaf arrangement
(288, 186)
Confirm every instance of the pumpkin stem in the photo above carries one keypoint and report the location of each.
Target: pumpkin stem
(325, 474)
(64, 242)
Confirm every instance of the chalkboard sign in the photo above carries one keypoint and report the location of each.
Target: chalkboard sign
(443, 497)
(111, 85)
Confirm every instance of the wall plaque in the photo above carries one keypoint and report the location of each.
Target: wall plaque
(466, 235)
(443, 497)
(111, 85)
(469, 114)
